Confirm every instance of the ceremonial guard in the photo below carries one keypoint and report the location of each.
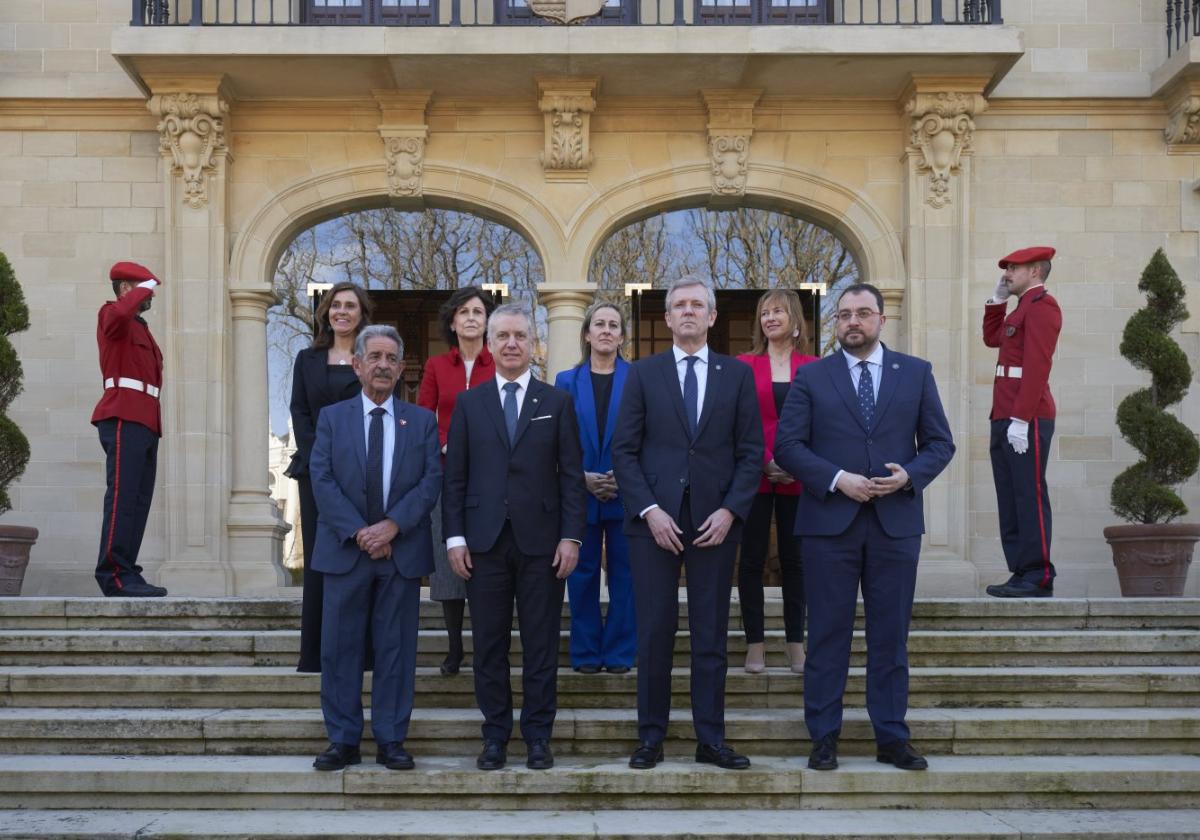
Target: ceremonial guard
(1023, 418)
(129, 422)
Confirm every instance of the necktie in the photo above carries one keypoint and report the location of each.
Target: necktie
(510, 410)
(691, 394)
(375, 467)
(866, 393)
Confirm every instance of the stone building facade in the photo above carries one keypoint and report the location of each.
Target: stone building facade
(931, 150)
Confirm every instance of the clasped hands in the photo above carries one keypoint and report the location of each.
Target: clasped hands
(376, 540)
(566, 557)
(711, 533)
(775, 474)
(863, 489)
(601, 485)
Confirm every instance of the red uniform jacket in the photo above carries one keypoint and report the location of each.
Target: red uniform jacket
(445, 378)
(760, 363)
(1026, 339)
(127, 350)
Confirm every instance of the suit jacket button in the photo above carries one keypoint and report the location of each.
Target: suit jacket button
(869, 441)
(691, 451)
(683, 481)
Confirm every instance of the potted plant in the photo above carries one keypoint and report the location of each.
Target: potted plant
(1152, 556)
(15, 540)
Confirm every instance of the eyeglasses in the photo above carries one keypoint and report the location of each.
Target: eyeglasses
(844, 315)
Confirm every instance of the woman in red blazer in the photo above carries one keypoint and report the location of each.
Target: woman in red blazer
(779, 331)
(468, 363)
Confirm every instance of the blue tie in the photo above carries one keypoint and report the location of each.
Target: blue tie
(375, 467)
(510, 410)
(866, 393)
(691, 394)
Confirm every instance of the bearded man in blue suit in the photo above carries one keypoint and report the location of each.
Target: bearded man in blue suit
(376, 471)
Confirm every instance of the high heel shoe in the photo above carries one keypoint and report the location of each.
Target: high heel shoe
(756, 653)
(796, 657)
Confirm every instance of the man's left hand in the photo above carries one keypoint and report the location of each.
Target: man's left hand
(566, 556)
(712, 531)
(374, 537)
(890, 484)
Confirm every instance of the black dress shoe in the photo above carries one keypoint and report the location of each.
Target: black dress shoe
(901, 754)
(393, 756)
(721, 755)
(450, 667)
(824, 754)
(646, 756)
(539, 757)
(1020, 589)
(587, 669)
(493, 756)
(138, 589)
(338, 757)
(617, 669)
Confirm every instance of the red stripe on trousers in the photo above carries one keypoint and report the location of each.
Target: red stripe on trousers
(112, 522)
(1037, 479)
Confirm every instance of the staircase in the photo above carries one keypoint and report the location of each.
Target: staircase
(184, 718)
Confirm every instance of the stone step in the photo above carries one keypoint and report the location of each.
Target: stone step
(281, 687)
(599, 732)
(56, 612)
(927, 648)
(253, 782)
(615, 825)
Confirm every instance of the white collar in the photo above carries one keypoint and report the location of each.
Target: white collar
(1030, 289)
(680, 355)
(522, 380)
(876, 357)
(369, 405)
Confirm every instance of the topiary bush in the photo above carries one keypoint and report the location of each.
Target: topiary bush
(14, 318)
(1171, 453)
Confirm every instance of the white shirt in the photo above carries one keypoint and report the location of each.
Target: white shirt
(875, 364)
(389, 438)
(681, 367)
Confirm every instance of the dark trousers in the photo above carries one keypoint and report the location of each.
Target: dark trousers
(756, 540)
(656, 596)
(834, 568)
(498, 577)
(613, 639)
(371, 594)
(1023, 501)
(131, 460)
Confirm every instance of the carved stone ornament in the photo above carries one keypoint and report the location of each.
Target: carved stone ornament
(566, 11)
(192, 129)
(567, 105)
(730, 156)
(940, 131)
(405, 153)
(1184, 124)
(730, 126)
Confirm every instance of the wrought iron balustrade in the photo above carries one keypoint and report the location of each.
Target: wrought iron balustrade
(614, 12)
(1183, 23)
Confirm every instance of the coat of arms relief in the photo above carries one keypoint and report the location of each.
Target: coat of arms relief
(566, 11)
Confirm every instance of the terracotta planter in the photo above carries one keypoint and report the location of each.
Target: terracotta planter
(1152, 560)
(15, 542)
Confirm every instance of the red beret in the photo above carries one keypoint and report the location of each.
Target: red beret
(130, 271)
(1028, 255)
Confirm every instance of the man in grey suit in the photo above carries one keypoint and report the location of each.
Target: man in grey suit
(376, 474)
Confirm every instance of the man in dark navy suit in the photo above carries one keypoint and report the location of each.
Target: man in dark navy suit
(865, 432)
(514, 511)
(376, 473)
(687, 454)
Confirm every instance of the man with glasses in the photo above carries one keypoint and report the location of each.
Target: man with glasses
(865, 433)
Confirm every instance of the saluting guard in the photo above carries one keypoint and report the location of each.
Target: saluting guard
(1023, 418)
(129, 421)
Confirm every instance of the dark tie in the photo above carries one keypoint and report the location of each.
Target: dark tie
(375, 467)
(691, 394)
(866, 393)
(510, 410)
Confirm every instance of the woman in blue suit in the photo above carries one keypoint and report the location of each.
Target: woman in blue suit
(595, 385)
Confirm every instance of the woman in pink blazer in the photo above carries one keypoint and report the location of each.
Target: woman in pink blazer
(779, 332)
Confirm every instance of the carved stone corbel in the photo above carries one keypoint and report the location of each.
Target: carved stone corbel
(1183, 106)
(940, 131)
(192, 129)
(566, 105)
(403, 129)
(730, 126)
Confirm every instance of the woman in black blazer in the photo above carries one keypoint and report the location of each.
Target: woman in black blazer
(322, 376)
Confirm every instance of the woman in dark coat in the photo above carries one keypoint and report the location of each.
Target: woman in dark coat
(467, 364)
(322, 376)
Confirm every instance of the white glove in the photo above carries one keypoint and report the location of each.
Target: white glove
(1002, 293)
(1018, 435)
(147, 284)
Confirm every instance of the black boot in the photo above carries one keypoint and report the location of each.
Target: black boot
(452, 612)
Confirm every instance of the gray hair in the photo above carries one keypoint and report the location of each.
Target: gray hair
(688, 280)
(508, 309)
(376, 331)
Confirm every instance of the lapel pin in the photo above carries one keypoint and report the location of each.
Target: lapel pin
(895, 366)
(403, 422)
(718, 367)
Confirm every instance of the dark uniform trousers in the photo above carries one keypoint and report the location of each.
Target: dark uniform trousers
(131, 454)
(1023, 501)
